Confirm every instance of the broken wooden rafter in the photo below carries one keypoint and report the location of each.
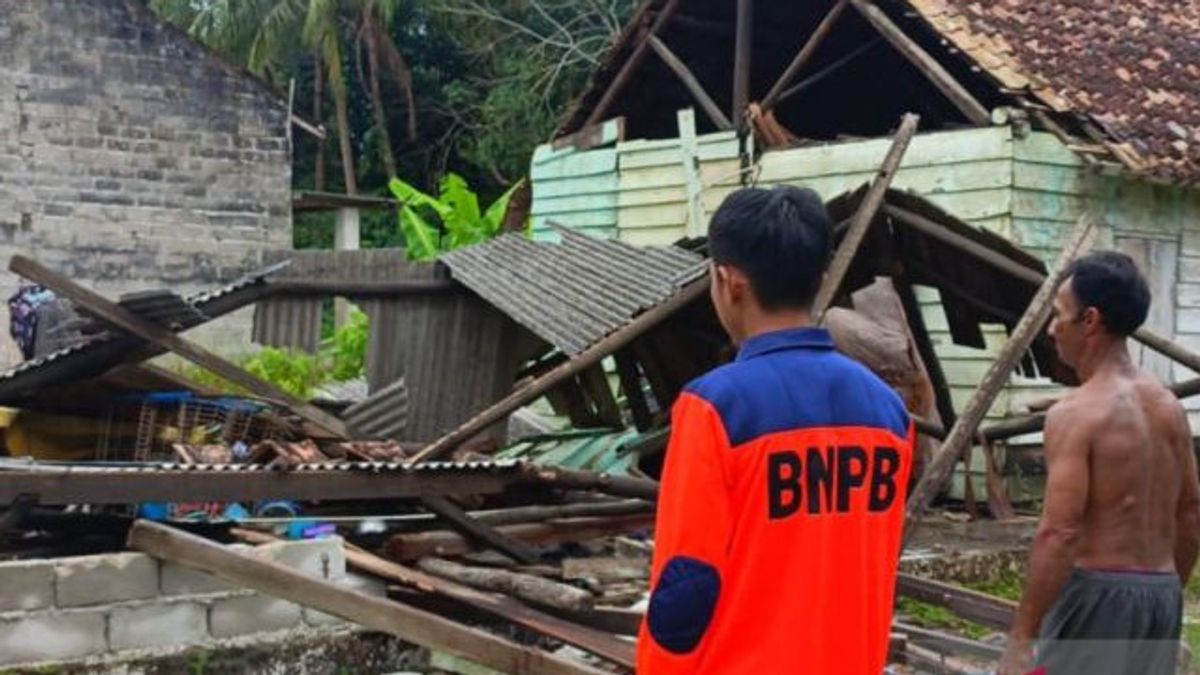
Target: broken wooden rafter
(690, 81)
(462, 522)
(963, 433)
(828, 70)
(742, 57)
(631, 64)
(1163, 345)
(804, 55)
(124, 320)
(863, 217)
(562, 373)
(408, 623)
(923, 62)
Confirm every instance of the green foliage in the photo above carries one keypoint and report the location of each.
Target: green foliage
(926, 615)
(345, 352)
(433, 225)
(1008, 585)
(342, 357)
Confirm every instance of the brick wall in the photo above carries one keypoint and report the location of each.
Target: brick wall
(131, 157)
(68, 609)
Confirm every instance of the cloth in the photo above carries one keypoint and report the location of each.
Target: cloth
(1113, 623)
(779, 516)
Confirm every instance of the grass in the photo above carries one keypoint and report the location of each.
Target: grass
(930, 616)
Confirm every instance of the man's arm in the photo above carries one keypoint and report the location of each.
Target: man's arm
(1187, 514)
(1061, 527)
(691, 537)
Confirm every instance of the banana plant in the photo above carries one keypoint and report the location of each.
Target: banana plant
(458, 219)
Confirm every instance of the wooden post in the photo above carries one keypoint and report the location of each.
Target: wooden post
(939, 76)
(804, 55)
(585, 359)
(689, 152)
(691, 82)
(346, 237)
(963, 432)
(631, 65)
(743, 54)
(525, 586)
(863, 217)
(123, 319)
(410, 624)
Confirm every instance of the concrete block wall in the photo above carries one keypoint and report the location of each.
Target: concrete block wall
(67, 609)
(132, 157)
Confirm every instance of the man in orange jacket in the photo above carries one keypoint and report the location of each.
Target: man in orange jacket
(782, 501)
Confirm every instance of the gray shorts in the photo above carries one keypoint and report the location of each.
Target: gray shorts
(1113, 623)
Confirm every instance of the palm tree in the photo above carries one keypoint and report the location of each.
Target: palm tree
(261, 33)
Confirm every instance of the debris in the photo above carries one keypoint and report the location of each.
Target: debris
(528, 587)
(445, 543)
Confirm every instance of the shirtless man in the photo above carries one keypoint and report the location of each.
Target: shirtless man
(1120, 525)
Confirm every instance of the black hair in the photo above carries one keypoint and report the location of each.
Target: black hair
(781, 238)
(1111, 282)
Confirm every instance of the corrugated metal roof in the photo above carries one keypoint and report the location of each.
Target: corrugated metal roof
(106, 350)
(163, 307)
(593, 450)
(383, 414)
(573, 293)
(18, 465)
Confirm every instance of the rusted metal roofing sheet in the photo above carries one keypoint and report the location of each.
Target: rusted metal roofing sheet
(106, 350)
(383, 415)
(573, 293)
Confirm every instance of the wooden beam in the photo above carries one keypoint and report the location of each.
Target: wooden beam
(464, 524)
(416, 545)
(690, 81)
(631, 384)
(995, 613)
(828, 70)
(577, 479)
(863, 217)
(545, 383)
(631, 64)
(962, 434)
(599, 392)
(939, 76)
(121, 318)
(1163, 345)
(409, 624)
(742, 61)
(529, 587)
(804, 55)
(501, 606)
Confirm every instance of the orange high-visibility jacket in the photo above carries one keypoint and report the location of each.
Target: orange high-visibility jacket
(779, 519)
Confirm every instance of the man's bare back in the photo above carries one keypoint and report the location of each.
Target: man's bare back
(1139, 457)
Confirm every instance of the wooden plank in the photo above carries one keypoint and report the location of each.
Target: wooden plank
(804, 55)
(964, 430)
(502, 606)
(593, 136)
(444, 543)
(631, 384)
(690, 81)
(125, 320)
(631, 65)
(947, 643)
(410, 624)
(863, 217)
(525, 586)
(742, 61)
(926, 64)
(995, 613)
(690, 159)
(599, 392)
(584, 360)
(462, 522)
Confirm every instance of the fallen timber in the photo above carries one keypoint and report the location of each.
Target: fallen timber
(411, 624)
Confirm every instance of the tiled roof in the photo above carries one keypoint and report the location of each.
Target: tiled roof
(1133, 66)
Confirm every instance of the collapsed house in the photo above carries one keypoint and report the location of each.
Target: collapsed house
(1031, 115)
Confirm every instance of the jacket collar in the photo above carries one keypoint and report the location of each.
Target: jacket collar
(817, 339)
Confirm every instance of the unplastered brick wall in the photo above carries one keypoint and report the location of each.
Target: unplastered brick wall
(68, 609)
(133, 158)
